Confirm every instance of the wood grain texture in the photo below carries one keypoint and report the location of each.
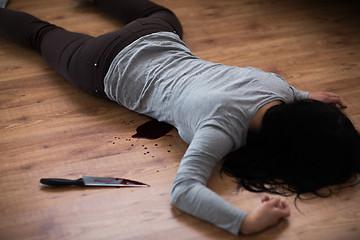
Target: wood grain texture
(50, 129)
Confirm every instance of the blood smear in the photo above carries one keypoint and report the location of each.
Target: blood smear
(153, 129)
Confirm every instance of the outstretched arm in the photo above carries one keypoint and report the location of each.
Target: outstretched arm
(327, 97)
(191, 195)
(189, 192)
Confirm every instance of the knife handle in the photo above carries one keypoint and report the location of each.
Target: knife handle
(61, 182)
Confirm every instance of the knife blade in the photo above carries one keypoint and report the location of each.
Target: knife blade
(93, 181)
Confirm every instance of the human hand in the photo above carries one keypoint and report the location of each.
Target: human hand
(266, 214)
(327, 97)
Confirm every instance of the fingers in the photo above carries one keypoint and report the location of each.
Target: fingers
(281, 206)
(275, 202)
(285, 209)
(267, 214)
(272, 201)
(334, 99)
(327, 97)
(340, 103)
(265, 198)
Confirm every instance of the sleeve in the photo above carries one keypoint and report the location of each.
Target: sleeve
(189, 191)
(299, 95)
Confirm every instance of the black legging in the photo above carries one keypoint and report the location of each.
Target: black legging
(82, 59)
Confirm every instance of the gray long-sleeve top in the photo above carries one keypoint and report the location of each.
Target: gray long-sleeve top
(210, 104)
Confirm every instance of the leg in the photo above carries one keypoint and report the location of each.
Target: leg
(130, 10)
(20, 28)
(82, 59)
(59, 47)
(97, 53)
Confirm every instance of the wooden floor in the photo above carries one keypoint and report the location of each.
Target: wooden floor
(50, 129)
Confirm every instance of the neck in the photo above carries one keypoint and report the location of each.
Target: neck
(256, 121)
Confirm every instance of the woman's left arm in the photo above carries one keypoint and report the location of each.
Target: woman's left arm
(327, 97)
(191, 195)
(189, 191)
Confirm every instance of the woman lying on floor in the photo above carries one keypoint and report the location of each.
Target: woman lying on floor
(304, 143)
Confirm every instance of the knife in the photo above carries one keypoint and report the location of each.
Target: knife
(93, 181)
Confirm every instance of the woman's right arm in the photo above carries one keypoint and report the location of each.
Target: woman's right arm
(327, 97)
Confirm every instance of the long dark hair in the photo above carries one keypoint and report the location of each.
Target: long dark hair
(302, 147)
